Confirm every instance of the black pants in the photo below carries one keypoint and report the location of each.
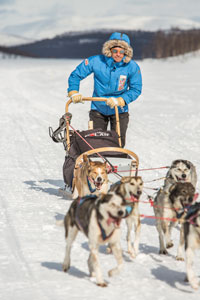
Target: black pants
(101, 121)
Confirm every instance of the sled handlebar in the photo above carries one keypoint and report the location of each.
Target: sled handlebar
(92, 99)
(85, 99)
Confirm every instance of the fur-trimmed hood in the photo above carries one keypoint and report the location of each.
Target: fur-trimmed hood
(118, 39)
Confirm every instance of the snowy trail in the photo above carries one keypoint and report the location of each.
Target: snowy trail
(164, 125)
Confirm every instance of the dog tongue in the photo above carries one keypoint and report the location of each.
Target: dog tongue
(133, 199)
(98, 185)
(113, 220)
(195, 196)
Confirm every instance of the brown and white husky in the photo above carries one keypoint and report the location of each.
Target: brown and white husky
(90, 178)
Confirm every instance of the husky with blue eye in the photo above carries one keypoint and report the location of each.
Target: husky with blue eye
(99, 219)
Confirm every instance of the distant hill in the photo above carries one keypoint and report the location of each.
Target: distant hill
(146, 44)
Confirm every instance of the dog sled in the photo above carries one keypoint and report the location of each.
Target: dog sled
(96, 144)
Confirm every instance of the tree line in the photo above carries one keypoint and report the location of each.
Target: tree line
(146, 44)
(172, 43)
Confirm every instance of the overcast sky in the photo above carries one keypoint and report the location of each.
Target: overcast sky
(53, 8)
(37, 19)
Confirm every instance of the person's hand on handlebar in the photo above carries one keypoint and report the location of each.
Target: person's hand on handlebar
(112, 102)
(75, 96)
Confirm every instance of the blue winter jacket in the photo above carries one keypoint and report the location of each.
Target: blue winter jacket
(111, 79)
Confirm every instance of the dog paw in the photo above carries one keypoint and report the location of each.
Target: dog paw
(102, 284)
(169, 245)
(195, 284)
(113, 272)
(65, 268)
(180, 258)
(164, 251)
(132, 254)
(108, 250)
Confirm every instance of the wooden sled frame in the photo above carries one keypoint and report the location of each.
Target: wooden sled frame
(134, 157)
(92, 99)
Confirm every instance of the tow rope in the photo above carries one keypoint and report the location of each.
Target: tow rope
(168, 219)
(158, 168)
(159, 218)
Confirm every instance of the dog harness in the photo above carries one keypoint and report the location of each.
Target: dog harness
(90, 186)
(103, 233)
(192, 214)
(78, 222)
(80, 202)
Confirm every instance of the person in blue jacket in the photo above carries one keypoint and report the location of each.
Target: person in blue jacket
(116, 77)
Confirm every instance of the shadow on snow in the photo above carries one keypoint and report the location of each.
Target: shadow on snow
(58, 267)
(40, 186)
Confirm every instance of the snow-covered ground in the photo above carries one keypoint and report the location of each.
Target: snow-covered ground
(164, 125)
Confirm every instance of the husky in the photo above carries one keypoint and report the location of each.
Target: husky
(192, 241)
(167, 207)
(90, 178)
(99, 219)
(130, 188)
(180, 171)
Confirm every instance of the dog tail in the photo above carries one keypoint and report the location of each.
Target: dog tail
(60, 223)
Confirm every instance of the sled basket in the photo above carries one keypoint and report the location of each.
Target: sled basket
(98, 144)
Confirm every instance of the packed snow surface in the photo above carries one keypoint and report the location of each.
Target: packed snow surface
(164, 126)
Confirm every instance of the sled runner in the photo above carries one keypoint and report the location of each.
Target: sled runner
(95, 143)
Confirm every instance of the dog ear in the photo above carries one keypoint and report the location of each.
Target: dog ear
(172, 188)
(85, 157)
(188, 164)
(125, 179)
(105, 198)
(92, 163)
(173, 164)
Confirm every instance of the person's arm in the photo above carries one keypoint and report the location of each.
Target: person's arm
(135, 86)
(82, 71)
(135, 89)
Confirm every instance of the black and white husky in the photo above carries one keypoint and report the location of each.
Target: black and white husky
(192, 241)
(167, 207)
(99, 219)
(181, 177)
(181, 170)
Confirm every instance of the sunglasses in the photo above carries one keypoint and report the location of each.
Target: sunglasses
(118, 51)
